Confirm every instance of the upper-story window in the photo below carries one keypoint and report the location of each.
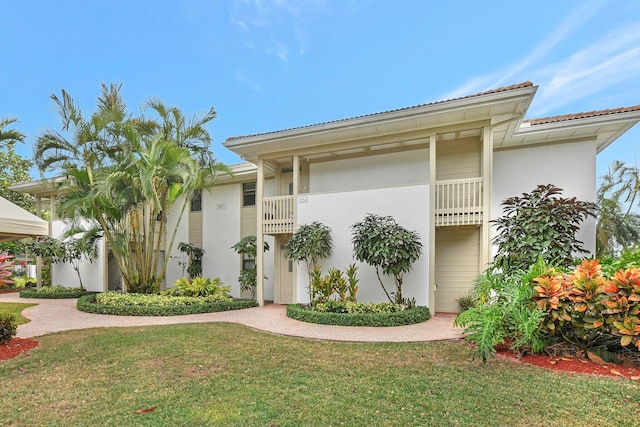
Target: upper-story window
(196, 201)
(249, 194)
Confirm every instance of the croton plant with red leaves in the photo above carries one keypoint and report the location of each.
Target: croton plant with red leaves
(588, 304)
(6, 269)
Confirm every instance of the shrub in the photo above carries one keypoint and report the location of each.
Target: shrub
(22, 282)
(310, 243)
(467, 301)
(156, 305)
(334, 286)
(8, 327)
(382, 243)
(396, 318)
(53, 292)
(537, 225)
(504, 310)
(248, 246)
(589, 311)
(199, 287)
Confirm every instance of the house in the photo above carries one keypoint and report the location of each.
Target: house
(441, 169)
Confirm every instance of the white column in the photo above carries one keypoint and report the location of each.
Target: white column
(487, 192)
(432, 224)
(260, 235)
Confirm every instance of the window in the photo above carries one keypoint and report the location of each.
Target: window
(248, 263)
(249, 194)
(196, 201)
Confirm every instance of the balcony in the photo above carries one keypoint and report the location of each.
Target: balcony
(458, 202)
(278, 215)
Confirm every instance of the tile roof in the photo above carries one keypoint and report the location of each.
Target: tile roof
(565, 117)
(488, 92)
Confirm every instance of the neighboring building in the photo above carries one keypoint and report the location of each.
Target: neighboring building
(441, 169)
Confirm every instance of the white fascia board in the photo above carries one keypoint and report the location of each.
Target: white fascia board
(441, 107)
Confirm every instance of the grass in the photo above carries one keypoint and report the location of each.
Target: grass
(16, 308)
(225, 374)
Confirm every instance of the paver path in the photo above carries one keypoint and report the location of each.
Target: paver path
(51, 315)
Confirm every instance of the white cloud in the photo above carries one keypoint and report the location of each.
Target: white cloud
(594, 68)
(607, 62)
(274, 25)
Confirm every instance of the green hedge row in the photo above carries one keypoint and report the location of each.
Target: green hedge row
(53, 292)
(399, 318)
(86, 304)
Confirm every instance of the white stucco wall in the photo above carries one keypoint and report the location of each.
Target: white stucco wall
(407, 204)
(221, 228)
(570, 166)
(385, 170)
(92, 273)
(174, 269)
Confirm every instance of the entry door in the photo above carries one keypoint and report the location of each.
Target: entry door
(284, 292)
(457, 265)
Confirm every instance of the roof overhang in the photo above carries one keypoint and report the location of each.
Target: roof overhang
(604, 129)
(504, 110)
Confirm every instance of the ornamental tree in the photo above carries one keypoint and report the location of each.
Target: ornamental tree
(384, 244)
(540, 224)
(310, 243)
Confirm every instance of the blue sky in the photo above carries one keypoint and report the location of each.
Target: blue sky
(274, 64)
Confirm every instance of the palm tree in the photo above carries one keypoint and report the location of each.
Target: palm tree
(9, 136)
(618, 225)
(127, 174)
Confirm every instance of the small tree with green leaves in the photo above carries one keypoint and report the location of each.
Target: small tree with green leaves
(310, 243)
(194, 261)
(248, 246)
(382, 243)
(540, 224)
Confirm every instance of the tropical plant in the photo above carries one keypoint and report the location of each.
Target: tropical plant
(382, 243)
(310, 243)
(618, 225)
(199, 287)
(540, 224)
(504, 311)
(81, 247)
(248, 247)
(194, 255)
(6, 269)
(127, 174)
(13, 169)
(9, 136)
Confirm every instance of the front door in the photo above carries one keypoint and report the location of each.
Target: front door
(284, 292)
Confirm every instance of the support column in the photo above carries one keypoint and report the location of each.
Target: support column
(432, 224)
(259, 234)
(39, 258)
(487, 196)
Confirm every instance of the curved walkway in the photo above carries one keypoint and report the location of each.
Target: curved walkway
(55, 315)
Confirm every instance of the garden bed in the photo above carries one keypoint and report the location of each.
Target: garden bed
(16, 346)
(398, 318)
(53, 292)
(88, 304)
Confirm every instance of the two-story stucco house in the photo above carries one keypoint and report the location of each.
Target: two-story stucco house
(441, 169)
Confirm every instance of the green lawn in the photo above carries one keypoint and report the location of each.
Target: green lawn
(15, 308)
(224, 374)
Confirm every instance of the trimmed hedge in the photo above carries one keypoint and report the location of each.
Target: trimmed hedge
(407, 317)
(54, 292)
(87, 304)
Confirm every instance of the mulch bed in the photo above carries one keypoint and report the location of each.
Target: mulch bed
(7, 290)
(16, 346)
(572, 364)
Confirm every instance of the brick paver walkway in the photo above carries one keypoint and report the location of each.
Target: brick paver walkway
(62, 315)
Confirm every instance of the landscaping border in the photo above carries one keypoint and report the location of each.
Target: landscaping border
(88, 305)
(399, 318)
(63, 293)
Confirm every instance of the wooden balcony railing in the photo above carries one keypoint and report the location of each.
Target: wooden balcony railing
(278, 215)
(458, 202)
